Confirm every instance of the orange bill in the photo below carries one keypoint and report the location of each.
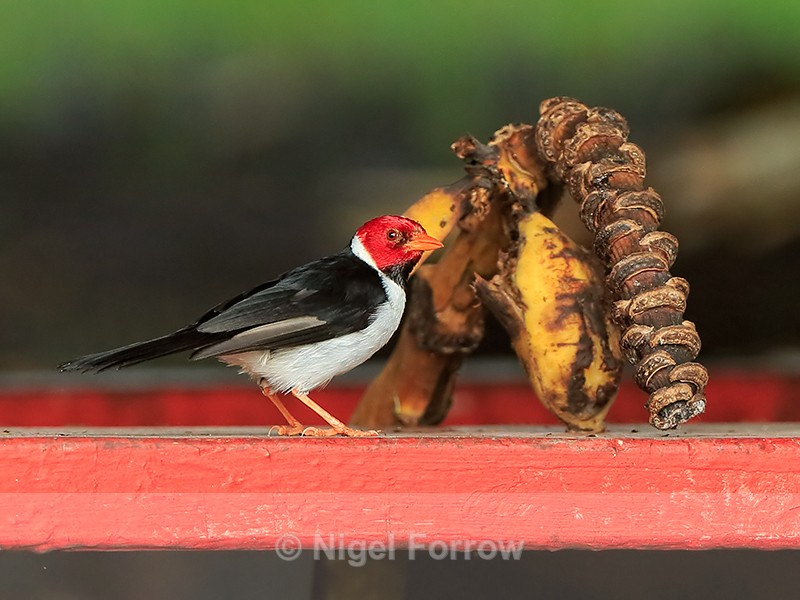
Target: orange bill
(424, 242)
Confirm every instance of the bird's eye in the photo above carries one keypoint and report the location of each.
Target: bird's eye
(392, 234)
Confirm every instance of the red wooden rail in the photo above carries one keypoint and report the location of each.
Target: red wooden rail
(705, 487)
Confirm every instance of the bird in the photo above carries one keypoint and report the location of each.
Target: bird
(297, 332)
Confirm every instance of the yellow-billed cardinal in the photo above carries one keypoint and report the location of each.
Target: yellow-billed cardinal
(299, 331)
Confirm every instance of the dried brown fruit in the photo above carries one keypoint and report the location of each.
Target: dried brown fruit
(587, 149)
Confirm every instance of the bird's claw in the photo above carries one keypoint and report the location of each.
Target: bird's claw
(332, 431)
(350, 432)
(301, 430)
(287, 430)
(317, 432)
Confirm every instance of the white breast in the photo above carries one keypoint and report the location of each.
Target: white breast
(314, 365)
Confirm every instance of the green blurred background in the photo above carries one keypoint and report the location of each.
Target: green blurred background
(158, 157)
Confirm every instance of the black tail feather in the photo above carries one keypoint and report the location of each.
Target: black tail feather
(185, 339)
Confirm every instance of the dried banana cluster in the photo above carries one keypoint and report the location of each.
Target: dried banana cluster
(587, 149)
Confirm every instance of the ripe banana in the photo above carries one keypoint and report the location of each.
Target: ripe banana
(551, 299)
(416, 376)
(439, 210)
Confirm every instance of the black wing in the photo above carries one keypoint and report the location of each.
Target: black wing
(329, 297)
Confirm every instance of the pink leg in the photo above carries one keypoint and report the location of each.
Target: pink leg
(294, 427)
(337, 427)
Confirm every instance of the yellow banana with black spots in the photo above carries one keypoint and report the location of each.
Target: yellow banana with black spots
(439, 210)
(417, 376)
(550, 297)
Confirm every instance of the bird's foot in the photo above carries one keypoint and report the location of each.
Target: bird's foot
(302, 430)
(296, 429)
(350, 432)
(319, 432)
(337, 427)
(331, 431)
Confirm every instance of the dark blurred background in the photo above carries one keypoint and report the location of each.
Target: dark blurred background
(564, 575)
(157, 157)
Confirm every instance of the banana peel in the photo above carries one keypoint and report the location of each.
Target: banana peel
(444, 320)
(439, 210)
(445, 316)
(416, 385)
(550, 297)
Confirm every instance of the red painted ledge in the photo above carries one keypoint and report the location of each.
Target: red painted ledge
(707, 486)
